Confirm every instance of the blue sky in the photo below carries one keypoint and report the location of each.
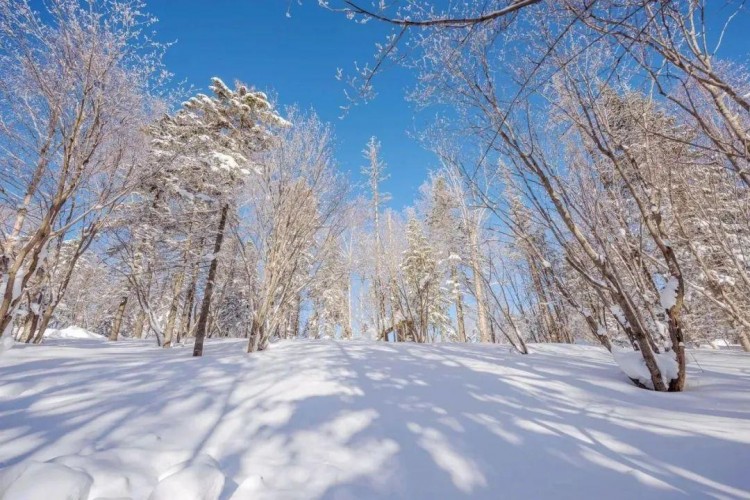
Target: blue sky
(297, 57)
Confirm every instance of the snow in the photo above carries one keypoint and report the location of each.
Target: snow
(15, 294)
(619, 315)
(17, 285)
(41, 481)
(720, 343)
(634, 366)
(196, 479)
(72, 333)
(6, 343)
(314, 419)
(668, 294)
(225, 161)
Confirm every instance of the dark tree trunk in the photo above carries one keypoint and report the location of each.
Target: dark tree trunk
(254, 344)
(39, 335)
(200, 333)
(30, 328)
(296, 315)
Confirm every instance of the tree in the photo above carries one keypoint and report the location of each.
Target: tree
(214, 143)
(375, 172)
(447, 235)
(423, 298)
(542, 172)
(293, 216)
(76, 86)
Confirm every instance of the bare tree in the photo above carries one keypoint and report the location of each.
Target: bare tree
(294, 215)
(75, 84)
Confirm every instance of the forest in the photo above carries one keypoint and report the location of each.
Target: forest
(594, 186)
(204, 297)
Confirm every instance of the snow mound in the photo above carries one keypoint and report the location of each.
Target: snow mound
(72, 333)
(197, 479)
(127, 471)
(720, 344)
(632, 363)
(252, 487)
(112, 478)
(6, 343)
(44, 481)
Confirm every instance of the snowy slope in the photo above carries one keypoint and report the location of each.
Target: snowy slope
(364, 420)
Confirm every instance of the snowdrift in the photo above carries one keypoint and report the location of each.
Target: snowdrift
(364, 420)
(72, 333)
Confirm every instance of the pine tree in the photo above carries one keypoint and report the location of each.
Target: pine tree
(425, 297)
(210, 147)
(447, 236)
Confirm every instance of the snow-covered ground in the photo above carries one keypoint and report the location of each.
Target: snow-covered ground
(361, 420)
(72, 332)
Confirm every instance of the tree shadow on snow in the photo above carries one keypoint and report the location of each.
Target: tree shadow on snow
(363, 420)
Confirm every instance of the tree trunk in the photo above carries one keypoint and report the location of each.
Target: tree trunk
(46, 318)
(349, 312)
(187, 309)
(256, 337)
(675, 331)
(7, 309)
(29, 327)
(349, 326)
(482, 322)
(744, 340)
(30, 252)
(200, 333)
(172, 316)
(115, 333)
(296, 315)
(460, 324)
(138, 328)
(210, 324)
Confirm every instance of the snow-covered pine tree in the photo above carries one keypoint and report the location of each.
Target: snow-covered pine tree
(211, 147)
(446, 234)
(424, 297)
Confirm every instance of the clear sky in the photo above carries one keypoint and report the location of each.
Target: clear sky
(296, 57)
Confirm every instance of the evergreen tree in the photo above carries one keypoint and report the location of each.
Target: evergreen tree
(425, 298)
